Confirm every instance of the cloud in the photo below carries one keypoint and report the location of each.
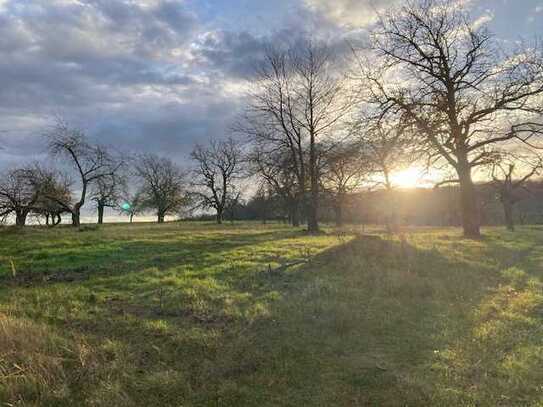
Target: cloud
(483, 20)
(148, 75)
(350, 13)
(94, 61)
(231, 53)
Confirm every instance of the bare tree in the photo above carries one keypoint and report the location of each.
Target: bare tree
(261, 203)
(106, 193)
(133, 203)
(275, 169)
(91, 162)
(18, 195)
(508, 184)
(55, 193)
(163, 185)
(218, 166)
(386, 147)
(299, 103)
(444, 73)
(25, 191)
(343, 173)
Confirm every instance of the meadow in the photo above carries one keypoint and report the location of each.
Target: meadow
(195, 314)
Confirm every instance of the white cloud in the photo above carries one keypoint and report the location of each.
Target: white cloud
(484, 19)
(349, 12)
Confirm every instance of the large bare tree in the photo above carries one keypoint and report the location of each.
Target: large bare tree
(445, 73)
(298, 103)
(218, 166)
(163, 185)
(91, 162)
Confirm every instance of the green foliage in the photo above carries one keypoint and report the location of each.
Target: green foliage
(194, 314)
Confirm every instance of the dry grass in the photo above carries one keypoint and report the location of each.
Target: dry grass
(32, 361)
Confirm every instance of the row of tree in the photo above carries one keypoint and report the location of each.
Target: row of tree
(433, 88)
(132, 186)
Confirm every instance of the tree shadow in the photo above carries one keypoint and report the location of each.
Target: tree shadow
(372, 321)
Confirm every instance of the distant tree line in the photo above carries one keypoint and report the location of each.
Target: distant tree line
(412, 206)
(324, 133)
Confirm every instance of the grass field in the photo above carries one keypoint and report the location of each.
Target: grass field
(187, 314)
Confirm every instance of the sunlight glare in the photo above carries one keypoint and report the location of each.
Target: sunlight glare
(409, 178)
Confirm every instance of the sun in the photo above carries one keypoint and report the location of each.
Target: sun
(409, 178)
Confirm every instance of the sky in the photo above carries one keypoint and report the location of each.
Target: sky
(159, 75)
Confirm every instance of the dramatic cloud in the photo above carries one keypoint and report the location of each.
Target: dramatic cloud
(91, 59)
(157, 75)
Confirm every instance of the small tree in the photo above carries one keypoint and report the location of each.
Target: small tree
(55, 194)
(274, 166)
(163, 185)
(133, 203)
(386, 147)
(91, 162)
(18, 194)
(261, 204)
(508, 184)
(106, 193)
(343, 173)
(218, 166)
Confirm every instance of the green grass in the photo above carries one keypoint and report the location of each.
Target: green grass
(187, 314)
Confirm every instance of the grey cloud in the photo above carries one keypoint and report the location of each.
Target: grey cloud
(145, 78)
(232, 53)
(85, 58)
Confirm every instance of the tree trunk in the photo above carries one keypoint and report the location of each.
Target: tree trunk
(20, 218)
(219, 217)
(59, 219)
(313, 207)
(391, 218)
(160, 217)
(47, 219)
(508, 214)
(468, 203)
(76, 218)
(295, 213)
(100, 214)
(76, 213)
(131, 217)
(338, 209)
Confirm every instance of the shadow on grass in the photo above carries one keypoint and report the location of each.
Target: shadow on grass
(85, 259)
(374, 321)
